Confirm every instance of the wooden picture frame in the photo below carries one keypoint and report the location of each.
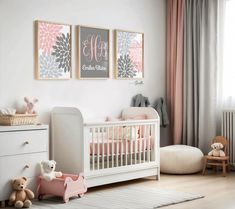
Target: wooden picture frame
(53, 50)
(93, 52)
(129, 55)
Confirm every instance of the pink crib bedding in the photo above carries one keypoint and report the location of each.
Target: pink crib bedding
(119, 146)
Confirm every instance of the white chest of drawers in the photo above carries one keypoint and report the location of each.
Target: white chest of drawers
(22, 148)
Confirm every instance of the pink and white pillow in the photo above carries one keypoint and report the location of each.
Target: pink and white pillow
(128, 132)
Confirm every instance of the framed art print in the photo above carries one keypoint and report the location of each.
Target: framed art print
(93, 53)
(53, 50)
(129, 56)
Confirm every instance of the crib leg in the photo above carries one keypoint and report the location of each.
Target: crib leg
(80, 195)
(3, 204)
(158, 175)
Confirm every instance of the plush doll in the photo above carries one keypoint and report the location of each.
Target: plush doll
(48, 170)
(216, 150)
(30, 106)
(21, 196)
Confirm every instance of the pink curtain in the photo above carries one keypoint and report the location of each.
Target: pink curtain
(175, 52)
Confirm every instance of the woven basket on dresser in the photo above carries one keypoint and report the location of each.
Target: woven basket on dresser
(18, 119)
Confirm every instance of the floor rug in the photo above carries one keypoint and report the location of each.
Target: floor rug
(124, 197)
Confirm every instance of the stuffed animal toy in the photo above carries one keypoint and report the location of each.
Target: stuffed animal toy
(21, 196)
(30, 105)
(216, 150)
(48, 170)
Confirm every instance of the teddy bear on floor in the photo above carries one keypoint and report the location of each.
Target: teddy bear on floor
(21, 196)
(30, 105)
(216, 150)
(48, 170)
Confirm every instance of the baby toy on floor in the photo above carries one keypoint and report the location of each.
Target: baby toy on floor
(21, 196)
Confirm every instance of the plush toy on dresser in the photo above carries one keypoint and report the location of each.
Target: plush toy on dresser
(21, 196)
(30, 105)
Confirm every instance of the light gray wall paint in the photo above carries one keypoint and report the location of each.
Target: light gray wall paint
(97, 98)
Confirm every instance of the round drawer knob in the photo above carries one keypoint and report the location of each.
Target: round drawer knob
(26, 166)
(26, 142)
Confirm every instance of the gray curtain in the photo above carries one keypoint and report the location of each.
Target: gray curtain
(200, 73)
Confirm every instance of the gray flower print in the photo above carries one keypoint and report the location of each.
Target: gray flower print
(126, 67)
(62, 52)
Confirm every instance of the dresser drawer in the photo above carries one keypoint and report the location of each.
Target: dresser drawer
(27, 165)
(20, 142)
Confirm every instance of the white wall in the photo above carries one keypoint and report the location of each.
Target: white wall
(98, 98)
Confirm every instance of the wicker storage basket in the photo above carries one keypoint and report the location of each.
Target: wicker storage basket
(18, 119)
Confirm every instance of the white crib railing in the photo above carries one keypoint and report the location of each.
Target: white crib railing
(113, 156)
(109, 145)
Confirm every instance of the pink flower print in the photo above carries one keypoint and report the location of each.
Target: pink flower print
(135, 51)
(48, 34)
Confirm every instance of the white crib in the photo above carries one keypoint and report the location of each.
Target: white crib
(106, 152)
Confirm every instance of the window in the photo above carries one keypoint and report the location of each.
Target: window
(229, 54)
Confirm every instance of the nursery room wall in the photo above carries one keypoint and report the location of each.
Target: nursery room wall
(95, 98)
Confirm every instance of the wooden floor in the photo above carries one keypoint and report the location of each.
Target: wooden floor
(219, 191)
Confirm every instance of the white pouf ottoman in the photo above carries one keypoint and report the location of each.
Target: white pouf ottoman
(180, 159)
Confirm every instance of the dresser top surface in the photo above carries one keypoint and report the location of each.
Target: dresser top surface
(23, 128)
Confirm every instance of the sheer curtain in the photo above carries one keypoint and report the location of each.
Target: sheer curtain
(228, 64)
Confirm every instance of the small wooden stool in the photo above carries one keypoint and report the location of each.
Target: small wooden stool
(218, 161)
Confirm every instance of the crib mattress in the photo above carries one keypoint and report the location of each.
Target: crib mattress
(108, 146)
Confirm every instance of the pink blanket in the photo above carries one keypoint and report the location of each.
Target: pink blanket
(119, 146)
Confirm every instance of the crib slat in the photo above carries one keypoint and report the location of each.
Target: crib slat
(93, 149)
(121, 152)
(131, 144)
(152, 155)
(148, 143)
(112, 147)
(107, 157)
(140, 144)
(126, 145)
(98, 149)
(135, 154)
(117, 145)
(145, 138)
(102, 129)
